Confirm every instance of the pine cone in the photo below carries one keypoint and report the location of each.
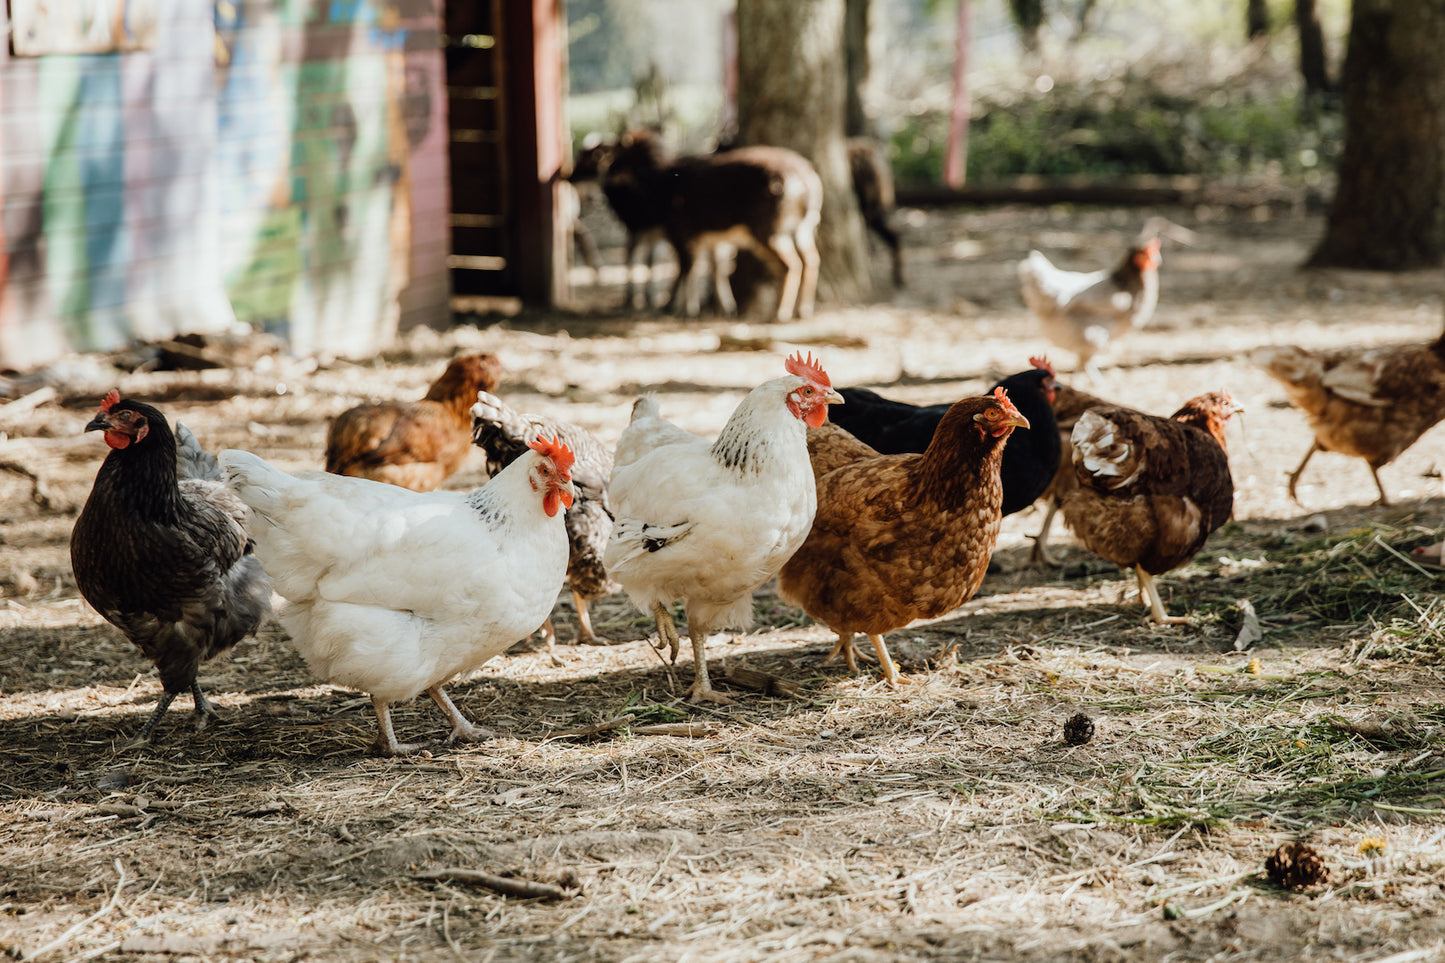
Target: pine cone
(1296, 866)
(1079, 729)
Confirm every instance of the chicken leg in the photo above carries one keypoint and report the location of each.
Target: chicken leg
(1294, 476)
(885, 662)
(462, 730)
(204, 713)
(1040, 554)
(1149, 595)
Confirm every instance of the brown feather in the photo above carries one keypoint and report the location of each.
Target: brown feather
(413, 444)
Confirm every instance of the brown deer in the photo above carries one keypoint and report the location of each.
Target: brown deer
(764, 199)
(873, 186)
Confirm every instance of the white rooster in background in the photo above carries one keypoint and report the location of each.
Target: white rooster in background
(1085, 312)
(396, 592)
(709, 522)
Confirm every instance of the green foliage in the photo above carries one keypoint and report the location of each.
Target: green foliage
(1130, 126)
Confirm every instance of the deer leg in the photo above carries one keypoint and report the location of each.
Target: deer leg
(785, 256)
(684, 294)
(1294, 476)
(807, 246)
(722, 269)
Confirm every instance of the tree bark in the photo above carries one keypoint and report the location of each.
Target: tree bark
(791, 78)
(856, 35)
(1312, 64)
(1256, 19)
(955, 152)
(1389, 206)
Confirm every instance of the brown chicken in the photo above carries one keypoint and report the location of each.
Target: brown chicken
(413, 444)
(1371, 404)
(1068, 404)
(901, 537)
(1151, 489)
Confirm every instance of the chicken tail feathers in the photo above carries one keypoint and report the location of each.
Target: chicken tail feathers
(193, 461)
(259, 484)
(633, 539)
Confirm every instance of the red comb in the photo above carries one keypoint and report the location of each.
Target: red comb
(1000, 395)
(1042, 362)
(110, 399)
(809, 369)
(553, 448)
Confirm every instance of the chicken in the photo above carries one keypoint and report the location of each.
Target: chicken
(902, 537)
(161, 551)
(1084, 313)
(504, 434)
(395, 592)
(1030, 460)
(1151, 489)
(710, 522)
(1370, 404)
(414, 444)
(1068, 404)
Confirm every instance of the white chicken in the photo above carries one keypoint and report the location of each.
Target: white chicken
(709, 522)
(1084, 312)
(396, 592)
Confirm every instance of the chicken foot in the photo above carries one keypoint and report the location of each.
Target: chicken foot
(850, 652)
(462, 730)
(666, 632)
(1149, 595)
(702, 690)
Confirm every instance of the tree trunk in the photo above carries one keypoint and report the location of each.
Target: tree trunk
(860, 64)
(790, 94)
(1256, 19)
(1389, 206)
(1312, 65)
(955, 152)
(1028, 17)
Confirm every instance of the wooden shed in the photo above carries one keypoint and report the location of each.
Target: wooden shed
(174, 166)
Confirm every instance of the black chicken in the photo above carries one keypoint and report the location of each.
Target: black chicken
(161, 551)
(503, 434)
(1029, 460)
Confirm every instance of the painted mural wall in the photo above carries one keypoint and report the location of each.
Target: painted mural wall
(279, 164)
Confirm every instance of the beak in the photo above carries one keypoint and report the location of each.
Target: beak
(99, 423)
(832, 398)
(567, 492)
(1018, 420)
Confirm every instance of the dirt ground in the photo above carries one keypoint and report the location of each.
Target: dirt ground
(944, 820)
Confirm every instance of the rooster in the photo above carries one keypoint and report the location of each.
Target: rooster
(1030, 460)
(710, 522)
(901, 537)
(504, 434)
(414, 444)
(1151, 489)
(1084, 313)
(161, 551)
(1370, 404)
(396, 592)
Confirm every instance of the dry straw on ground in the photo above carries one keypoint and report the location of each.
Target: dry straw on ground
(825, 816)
